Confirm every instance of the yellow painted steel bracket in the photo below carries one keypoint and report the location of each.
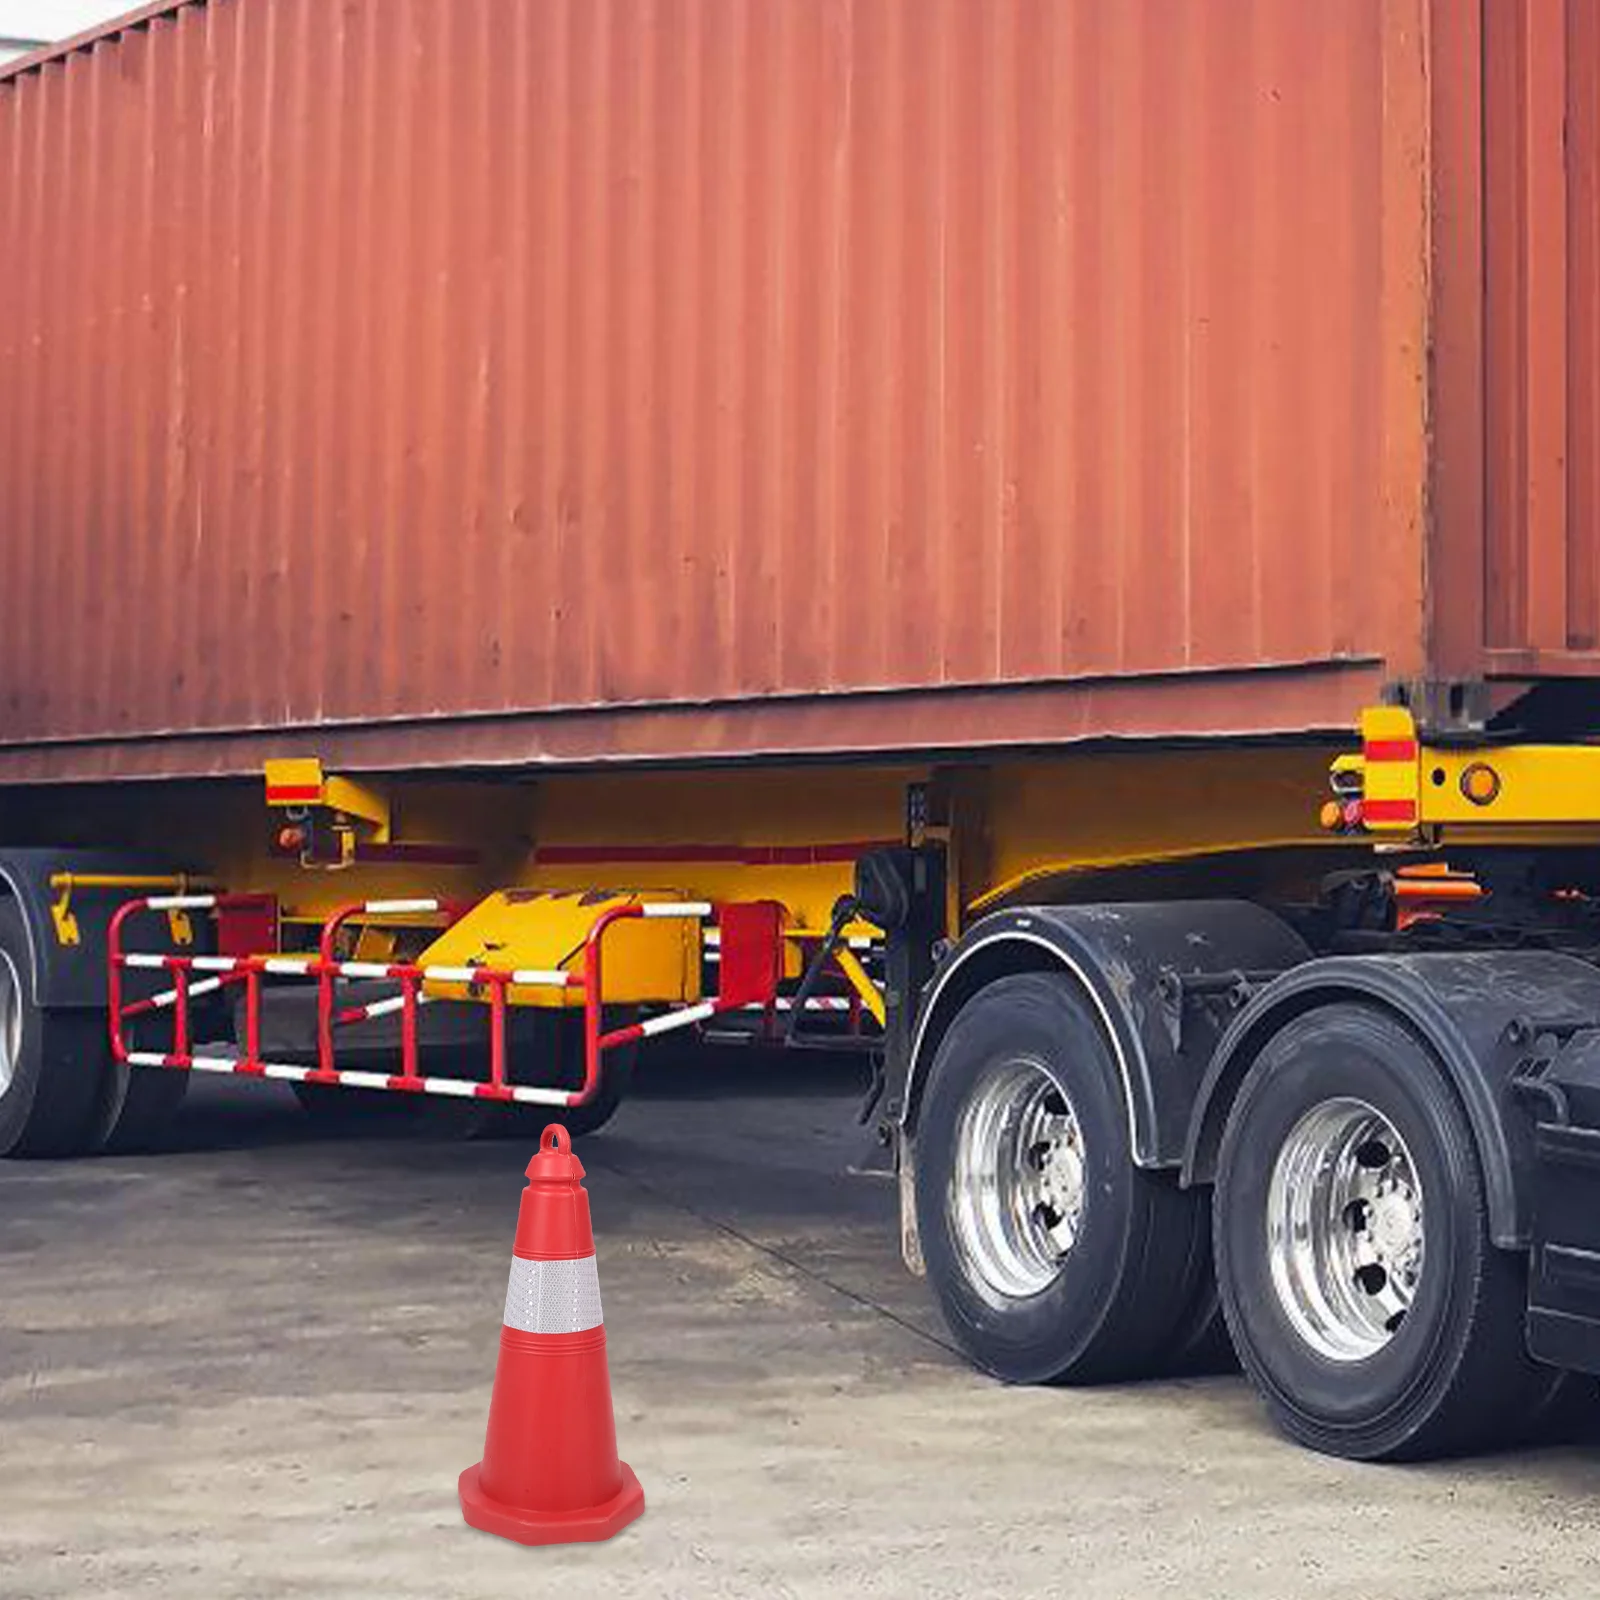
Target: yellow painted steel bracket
(850, 965)
(1402, 790)
(63, 885)
(67, 898)
(315, 801)
(300, 784)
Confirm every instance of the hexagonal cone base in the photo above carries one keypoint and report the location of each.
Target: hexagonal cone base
(551, 1527)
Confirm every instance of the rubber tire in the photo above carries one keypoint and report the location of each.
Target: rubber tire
(335, 1108)
(544, 1035)
(1201, 1347)
(1569, 1413)
(1116, 1309)
(1456, 1376)
(49, 1107)
(616, 1079)
(137, 1105)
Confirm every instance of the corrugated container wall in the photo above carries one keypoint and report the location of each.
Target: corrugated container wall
(467, 380)
(1516, 569)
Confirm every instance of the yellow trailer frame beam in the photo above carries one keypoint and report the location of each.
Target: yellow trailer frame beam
(1401, 789)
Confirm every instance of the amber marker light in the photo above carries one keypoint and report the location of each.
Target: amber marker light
(1480, 783)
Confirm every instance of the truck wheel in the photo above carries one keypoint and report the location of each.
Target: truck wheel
(51, 1062)
(1201, 1345)
(136, 1104)
(1566, 1412)
(345, 1110)
(579, 1121)
(1365, 1299)
(546, 1049)
(1053, 1257)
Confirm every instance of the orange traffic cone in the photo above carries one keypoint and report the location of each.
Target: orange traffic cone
(550, 1473)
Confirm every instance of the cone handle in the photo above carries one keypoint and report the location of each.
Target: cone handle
(556, 1138)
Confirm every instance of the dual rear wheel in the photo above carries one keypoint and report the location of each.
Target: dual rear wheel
(1365, 1298)
(1345, 1243)
(60, 1092)
(1054, 1257)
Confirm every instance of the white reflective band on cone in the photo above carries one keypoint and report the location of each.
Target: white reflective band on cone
(553, 1296)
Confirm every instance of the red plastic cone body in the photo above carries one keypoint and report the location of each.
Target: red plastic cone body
(550, 1472)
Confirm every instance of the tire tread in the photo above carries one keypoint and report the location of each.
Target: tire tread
(1484, 1398)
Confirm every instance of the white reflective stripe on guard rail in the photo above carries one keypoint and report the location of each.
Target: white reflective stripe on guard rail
(454, 1088)
(670, 908)
(210, 1064)
(462, 1088)
(525, 977)
(169, 997)
(299, 966)
(466, 1089)
(181, 902)
(399, 908)
(364, 1080)
(226, 1064)
(677, 1019)
(553, 1296)
(545, 1097)
(817, 1002)
(384, 1008)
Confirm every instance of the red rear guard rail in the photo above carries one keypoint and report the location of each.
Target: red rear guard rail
(752, 933)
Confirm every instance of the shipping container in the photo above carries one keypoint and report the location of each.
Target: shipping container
(464, 381)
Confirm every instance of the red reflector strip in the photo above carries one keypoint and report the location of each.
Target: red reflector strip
(1388, 810)
(1390, 750)
(309, 793)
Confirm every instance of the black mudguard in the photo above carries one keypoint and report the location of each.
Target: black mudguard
(73, 976)
(1474, 1010)
(1165, 979)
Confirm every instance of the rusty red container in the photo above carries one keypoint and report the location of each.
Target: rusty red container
(432, 382)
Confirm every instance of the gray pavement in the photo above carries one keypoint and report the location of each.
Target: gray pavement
(254, 1364)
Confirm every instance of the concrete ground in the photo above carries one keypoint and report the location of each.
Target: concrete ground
(254, 1364)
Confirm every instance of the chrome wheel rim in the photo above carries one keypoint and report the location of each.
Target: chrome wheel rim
(10, 1022)
(1345, 1229)
(1018, 1183)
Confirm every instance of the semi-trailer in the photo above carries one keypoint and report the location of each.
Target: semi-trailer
(1054, 544)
